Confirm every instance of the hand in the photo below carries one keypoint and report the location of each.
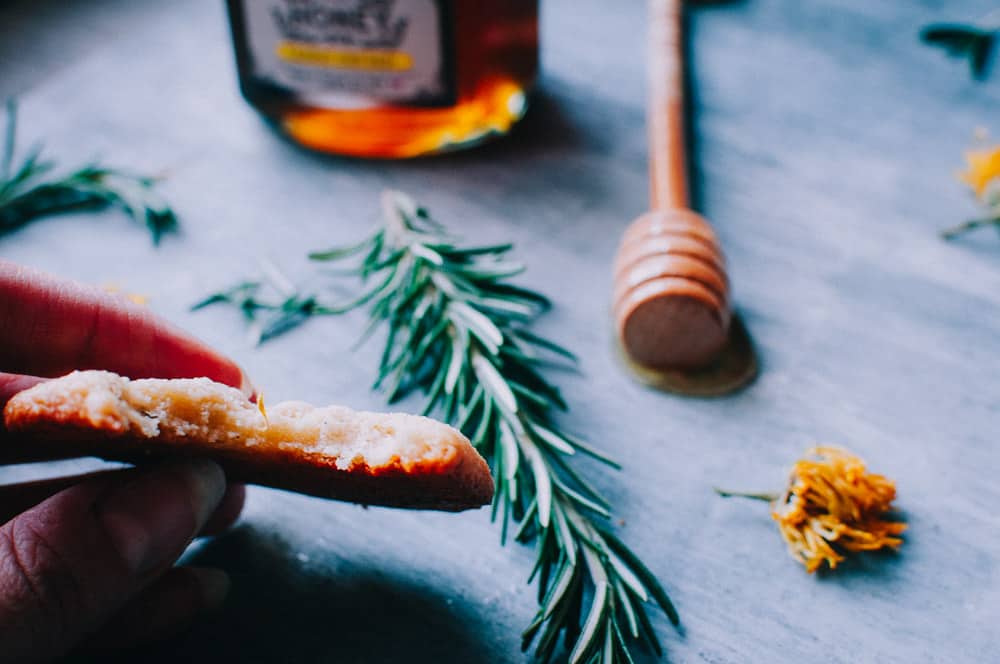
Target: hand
(87, 561)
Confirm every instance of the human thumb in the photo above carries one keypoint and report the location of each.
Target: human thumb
(68, 565)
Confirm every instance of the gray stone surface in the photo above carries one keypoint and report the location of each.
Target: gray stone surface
(827, 142)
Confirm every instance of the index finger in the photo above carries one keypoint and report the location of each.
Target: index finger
(49, 327)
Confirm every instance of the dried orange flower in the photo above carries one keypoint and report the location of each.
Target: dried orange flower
(833, 505)
(983, 168)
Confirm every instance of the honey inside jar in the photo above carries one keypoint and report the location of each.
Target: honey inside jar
(387, 78)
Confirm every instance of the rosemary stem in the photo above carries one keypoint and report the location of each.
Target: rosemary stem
(766, 497)
(955, 231)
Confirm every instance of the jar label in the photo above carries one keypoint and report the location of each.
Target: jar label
(354, 53)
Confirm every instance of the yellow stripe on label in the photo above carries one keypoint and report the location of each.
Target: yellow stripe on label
(323, 56)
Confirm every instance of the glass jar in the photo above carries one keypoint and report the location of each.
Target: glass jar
(387, 78)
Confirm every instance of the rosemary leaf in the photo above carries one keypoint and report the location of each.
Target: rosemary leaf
(626, 604)
(598, 607)
(972, 42)
(648, 633)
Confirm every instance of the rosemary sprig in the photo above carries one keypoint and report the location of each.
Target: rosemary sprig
(271, 306)
(457, 331)
(267, 319)
(29, 191)
(974, 42)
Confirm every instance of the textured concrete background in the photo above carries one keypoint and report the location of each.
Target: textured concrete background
(828, 138)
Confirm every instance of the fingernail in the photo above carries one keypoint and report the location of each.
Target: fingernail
(152, 517)
(214, 585)
(246, 386)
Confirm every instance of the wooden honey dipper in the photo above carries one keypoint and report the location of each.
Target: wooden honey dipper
(672, 305)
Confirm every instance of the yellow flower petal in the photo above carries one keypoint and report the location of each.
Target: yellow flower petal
(983, 168)
(834, 505)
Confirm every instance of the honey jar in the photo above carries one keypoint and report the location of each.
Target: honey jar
(387, 78)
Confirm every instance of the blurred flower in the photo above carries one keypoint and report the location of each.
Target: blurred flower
(983, 168)
(833, 506)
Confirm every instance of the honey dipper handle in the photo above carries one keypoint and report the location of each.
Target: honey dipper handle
(668, 177)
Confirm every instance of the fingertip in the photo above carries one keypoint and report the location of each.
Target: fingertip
(213, 585)
(246, 386)
(227, 512)
(207, 482)
(11, 384)
(56, 326)
(151, 517)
